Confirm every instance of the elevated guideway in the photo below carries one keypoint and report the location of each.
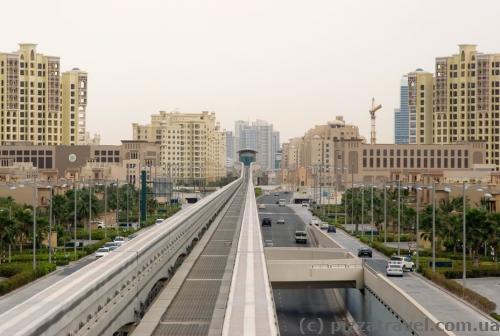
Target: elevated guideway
(116, 290)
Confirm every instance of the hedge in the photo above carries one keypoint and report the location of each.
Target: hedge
(473, 273)
(21, 274)
(495, 316)
(469, 295)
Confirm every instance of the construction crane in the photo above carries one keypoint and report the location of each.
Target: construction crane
(375, 108)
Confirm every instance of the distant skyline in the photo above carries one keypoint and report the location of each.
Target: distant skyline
(293, 63)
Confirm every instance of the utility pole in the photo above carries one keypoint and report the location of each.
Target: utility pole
(35, 200)
(90, 210)
(50, 225)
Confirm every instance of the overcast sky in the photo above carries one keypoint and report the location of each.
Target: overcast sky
(293, 63)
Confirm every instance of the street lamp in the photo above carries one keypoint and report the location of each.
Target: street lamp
(399, 216)
(433, 226)
(417, 189)
(50, 223)
(35, 200)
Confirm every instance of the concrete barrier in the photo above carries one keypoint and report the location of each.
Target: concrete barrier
(410, 311)
(321, 238)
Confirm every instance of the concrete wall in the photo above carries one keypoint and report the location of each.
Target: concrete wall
(406, 307)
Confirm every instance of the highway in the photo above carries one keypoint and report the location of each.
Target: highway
(296, 305)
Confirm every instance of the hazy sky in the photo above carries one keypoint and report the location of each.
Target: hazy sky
(293, 63)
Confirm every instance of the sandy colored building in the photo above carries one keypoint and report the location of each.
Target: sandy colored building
(335, 154)
(467, 100)
(192, 145)
(37, 104)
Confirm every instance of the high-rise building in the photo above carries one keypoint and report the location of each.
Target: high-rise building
(401, 114)
(193, 146)
(74, 104)
(419, 105)
(230, 149)
(35, 104)
(275, 150)
(260, 137)
(467, 100)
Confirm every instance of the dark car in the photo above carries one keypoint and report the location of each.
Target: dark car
(266, 221)
(365, 252)
(331, 228)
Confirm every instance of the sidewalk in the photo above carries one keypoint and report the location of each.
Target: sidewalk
(21, 294)
(445, 307)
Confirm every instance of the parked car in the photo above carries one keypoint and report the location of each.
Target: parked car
(262, 206)
(266, 221)
(124, 226)
(280, 221)
(331, 228)
(110, 244)
(407, 262)
(119, 240)
(324, 226)
(98, 224)
(300, 237)
(72, 244)
(112, 248)
(159, 220)
(268, 243)
(365, 251)
(305, 203)
(101, 252)
(394, 268)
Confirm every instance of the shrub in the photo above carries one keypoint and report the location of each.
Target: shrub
(258, 192)
(495, 316)
(473, 273)
(23, 274)
(469, 295)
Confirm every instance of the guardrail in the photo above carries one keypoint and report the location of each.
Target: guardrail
(409, 310)
(115, 290)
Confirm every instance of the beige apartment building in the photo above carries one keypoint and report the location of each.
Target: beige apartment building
(335, 154)
(37, 104)
(420, 85)
(192, 145)
(467, 100)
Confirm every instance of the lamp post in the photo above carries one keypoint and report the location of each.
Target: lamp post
(35, 200)
(74, 216)
(50, 226)
(90, 210)
(433, 226)
(464, 236)
(372, 219)
(105, 209)
(362, 209)
(417, 189)
(399, 216)
(385, 213)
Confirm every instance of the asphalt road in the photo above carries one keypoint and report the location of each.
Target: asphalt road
(299, 310)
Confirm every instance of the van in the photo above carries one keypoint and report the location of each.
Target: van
(300, 237)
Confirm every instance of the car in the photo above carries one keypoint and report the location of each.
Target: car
(72, 244)
(280, 221)
(266, 221)
(119, 240)
(406, 261)
(101, 252)
(365, 251)
(98, 224)
(281, 202)
(110, 244)
(286, 192)
(129, 226)
(305, 203)
(267, 193)
(324, 226)
(159, 220)
(112, 248)
(277, 194)
(300, 237)
(394, 268)
(268, 243)
(314, 221)
(262, 206)
(331, 228)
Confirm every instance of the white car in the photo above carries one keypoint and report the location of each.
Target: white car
(324, 226)
(101, 252)
(281, 202)
(305, 204)
(262, 206)
(407, 262)
(119, 240)
(159, 220)
(280, 221)
(314, 221)
(394, 268)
